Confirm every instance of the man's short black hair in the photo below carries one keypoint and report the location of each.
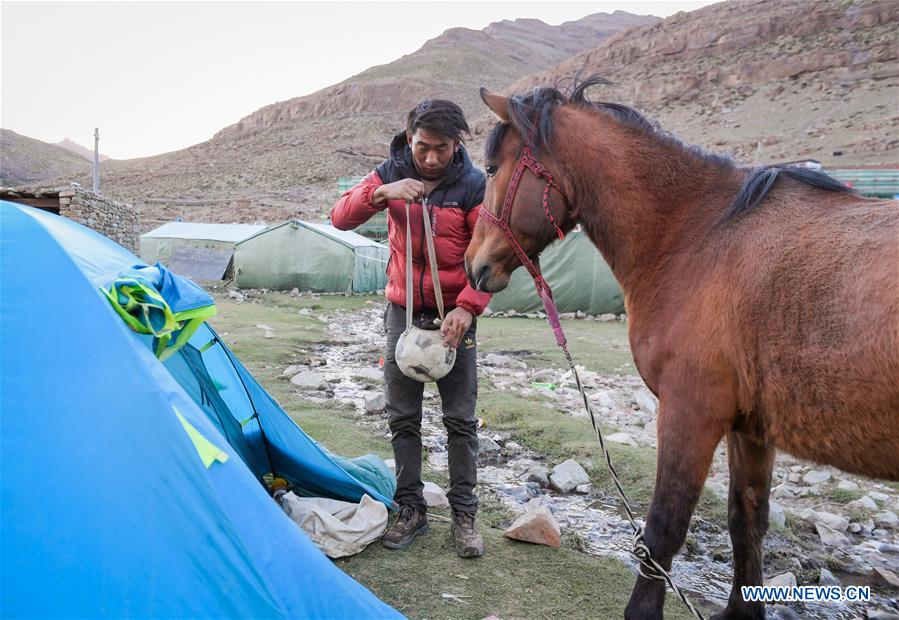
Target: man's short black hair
(438, 115)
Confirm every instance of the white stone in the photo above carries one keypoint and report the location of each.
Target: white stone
(864, 503)
(309, 380)
(847, 485)
(816, 476)
(504, 361)
(877, 496)
(372, 374)
(776, 515)
(646, 401)
(376, 403)
(583, 489)
(833, 521)
(567, 475)
(292, 370)
(622, 438)
(782, 580)
(826, 578)
(830, 536)
(886, 519)
(434, 496)
(487, 445)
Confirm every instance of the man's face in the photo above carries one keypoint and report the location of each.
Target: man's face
(432, 152)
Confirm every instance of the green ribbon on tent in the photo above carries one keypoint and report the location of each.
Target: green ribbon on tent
(145, 311)
(208, 451)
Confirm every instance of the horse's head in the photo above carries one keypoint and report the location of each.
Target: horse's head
(525, 206)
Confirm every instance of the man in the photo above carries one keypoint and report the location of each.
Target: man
(429, 160)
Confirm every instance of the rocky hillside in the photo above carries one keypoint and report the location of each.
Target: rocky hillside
(71, 145)
(765, 80)
(283, 160)
(25, 160)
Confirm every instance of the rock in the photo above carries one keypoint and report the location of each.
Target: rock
(583, 489)
(291, 371)
(434, 496)
(538, 474)
(504, 361)
(304, 312)
(782, 612)
(512, 447)
(776, 515)
(264, 327)
(391, 465)
(370, 374)
(580, 314)
(864, 503)
(537, 526)
(826, 578)
(816, 476)
(235, 296)
(646, 401)
(783, 580)
(295, 292)
(567, 316)
(855, 528)
(847, 485)
(888, 548)
(607, 317)
(486, 445)
(879, 497)
(880, 533)
(887, 520)
(309, 380)
(376, 403)
(884, 577)
(833, 521)
(567, 476)
(622, 438)
(882, 614)
(830, 536)
(268, 335)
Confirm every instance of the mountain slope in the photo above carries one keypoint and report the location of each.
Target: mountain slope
(764, 80)
(74, 147)
(25, 160)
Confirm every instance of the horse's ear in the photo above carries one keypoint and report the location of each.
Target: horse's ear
(497, 103)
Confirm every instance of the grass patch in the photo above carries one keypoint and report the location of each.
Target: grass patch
(598, 346)
(513, 579)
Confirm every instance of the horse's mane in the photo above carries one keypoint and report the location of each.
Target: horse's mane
(532, 116)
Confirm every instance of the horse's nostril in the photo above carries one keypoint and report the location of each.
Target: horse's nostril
(480, 278)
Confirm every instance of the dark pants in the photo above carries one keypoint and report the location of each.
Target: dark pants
(458, 394)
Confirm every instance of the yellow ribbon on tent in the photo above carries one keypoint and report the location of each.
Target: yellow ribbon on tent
(145, 311)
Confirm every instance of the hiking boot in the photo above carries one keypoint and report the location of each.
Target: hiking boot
(409, 524)
(469, 543)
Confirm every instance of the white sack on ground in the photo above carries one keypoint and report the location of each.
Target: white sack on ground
(338, 528)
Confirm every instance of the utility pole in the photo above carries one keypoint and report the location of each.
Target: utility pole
(96, 160)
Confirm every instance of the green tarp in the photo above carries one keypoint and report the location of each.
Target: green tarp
(576, 272)
(311, 257)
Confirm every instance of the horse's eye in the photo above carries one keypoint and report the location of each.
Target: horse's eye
(491, 170)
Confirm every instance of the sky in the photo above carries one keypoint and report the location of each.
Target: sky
(161, 76)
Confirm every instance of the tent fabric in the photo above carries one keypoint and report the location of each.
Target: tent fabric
(579, 277)
(311, 257)
(108, 509)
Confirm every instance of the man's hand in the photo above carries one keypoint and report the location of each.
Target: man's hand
(406, 189)
(454, 326)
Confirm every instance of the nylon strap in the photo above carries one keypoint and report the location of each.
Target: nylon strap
(432, 259)
(432, 256)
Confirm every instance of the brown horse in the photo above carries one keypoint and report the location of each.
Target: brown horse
(763, 304)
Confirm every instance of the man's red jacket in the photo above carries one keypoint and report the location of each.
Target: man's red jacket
(453, 207)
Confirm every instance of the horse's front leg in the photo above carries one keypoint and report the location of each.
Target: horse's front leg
(751, 461)
(689, 429)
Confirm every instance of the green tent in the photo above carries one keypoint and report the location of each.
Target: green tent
(310, 257)
(576, 272)
(159, 244)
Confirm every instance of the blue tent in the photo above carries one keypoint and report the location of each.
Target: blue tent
(127, 490)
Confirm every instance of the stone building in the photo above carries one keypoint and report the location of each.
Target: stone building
(115, 220)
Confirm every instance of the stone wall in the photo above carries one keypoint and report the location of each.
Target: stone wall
(116, 220)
